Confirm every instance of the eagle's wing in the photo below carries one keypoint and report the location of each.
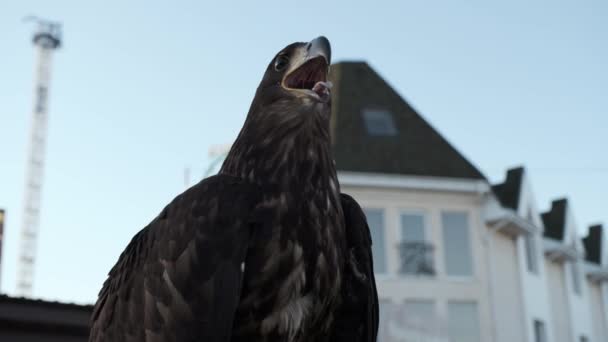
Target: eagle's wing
(357, 317)
(179, 279)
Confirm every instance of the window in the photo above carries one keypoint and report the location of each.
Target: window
(411, 320)
(576, 277)
(420, 317)
(379, 122)
(531, 254)
(375, 220)
(463, 322)
(530, 246)
(540, 334)
(457, 244)
(416, 254)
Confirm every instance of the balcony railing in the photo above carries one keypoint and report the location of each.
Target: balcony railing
(416, 258)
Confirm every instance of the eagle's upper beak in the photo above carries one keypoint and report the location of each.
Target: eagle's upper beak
(309, 68)
(319, 47)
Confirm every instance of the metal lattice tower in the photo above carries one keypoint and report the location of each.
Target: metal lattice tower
(47, 38)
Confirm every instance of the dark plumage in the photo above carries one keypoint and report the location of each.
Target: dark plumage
(267, 250)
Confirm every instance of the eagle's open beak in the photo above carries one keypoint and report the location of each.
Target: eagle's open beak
(309, 70)
(319, 47)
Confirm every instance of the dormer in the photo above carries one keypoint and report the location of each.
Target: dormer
(517, 215)
(596, 253)
(561, 242)
(511, 208)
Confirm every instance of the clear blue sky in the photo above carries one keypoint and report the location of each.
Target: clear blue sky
(142, 89)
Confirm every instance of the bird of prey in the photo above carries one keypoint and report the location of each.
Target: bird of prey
(266, 250)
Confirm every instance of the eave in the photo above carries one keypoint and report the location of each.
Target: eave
(596, 272)
(390, 181)
(508, 222)
(558, 252)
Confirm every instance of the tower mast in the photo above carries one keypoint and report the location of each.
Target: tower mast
(46, 39)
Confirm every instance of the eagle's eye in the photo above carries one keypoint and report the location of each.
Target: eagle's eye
(281, 62)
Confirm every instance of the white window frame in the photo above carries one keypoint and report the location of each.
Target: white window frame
(531, 248)
(428, 237)
(381, 113)
(576, 279)
(531, 253)
(456, 277)
(434, 324)
(384, 211)
(477, 318)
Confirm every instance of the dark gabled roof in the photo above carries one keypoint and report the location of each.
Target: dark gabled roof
(416, 148)
(5, 299)
(508, 192)
(22, 316)
(555, 219)
(593, 244)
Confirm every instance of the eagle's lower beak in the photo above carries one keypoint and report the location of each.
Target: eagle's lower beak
(309, 69)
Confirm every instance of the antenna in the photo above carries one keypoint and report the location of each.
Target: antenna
(46, 39)
(186, 177)
(218, 153)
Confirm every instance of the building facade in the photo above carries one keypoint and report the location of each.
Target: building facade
(457, 258)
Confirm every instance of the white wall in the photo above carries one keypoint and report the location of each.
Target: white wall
(508, 296)
(598, 312)
(579, 306)
(556, 283)
(439, 288)
(533, 285)
(506, 290)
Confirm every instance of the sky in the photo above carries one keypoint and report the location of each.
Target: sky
(142, 89)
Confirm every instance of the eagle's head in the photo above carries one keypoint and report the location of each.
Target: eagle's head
(287, 127)
(298, 73)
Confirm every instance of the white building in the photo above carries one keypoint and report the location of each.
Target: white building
(457, 258)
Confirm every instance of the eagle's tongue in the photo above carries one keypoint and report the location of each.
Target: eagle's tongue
(322, 89)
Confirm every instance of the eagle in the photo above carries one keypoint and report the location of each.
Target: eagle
(268, 249)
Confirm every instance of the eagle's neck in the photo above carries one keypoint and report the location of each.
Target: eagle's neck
(292, 151)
